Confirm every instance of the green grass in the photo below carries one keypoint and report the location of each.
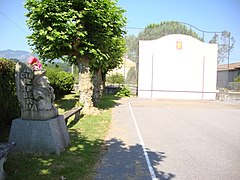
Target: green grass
(79, 160)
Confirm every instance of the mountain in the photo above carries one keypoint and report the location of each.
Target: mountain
(20, 55)
(15, 54)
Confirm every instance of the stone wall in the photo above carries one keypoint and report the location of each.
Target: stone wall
(225, 96)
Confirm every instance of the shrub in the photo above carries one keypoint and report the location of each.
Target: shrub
(237, 79)
(61, 81)
(124, 92)
(9, 106)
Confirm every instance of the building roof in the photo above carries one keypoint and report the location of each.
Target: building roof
(231, 66)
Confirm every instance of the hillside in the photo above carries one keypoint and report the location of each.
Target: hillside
(20, 55)
(15, 54)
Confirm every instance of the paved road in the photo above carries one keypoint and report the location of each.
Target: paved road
(184, 140)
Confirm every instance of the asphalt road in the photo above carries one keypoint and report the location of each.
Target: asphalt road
(170, 139)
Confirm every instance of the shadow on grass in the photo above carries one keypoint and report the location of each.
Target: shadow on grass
(67, 102)
(74, 122)
(122, 162)
(108, 101)
(77, 162)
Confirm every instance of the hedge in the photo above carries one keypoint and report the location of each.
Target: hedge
(9, 107)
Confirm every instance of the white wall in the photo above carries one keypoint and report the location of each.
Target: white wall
(168, 72)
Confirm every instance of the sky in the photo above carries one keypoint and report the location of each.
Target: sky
(208, 15)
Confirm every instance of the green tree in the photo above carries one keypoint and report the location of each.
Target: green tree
(132, 44)
(155, 31)
(81, 32)
(115, 50)
(225, 45)
(116, 78)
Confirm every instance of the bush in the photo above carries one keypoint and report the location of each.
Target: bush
(61, 81)
(124, 92)
(237, 79)
(116, 78)
(9, 106)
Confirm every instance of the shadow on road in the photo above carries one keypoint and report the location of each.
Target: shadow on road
(155, 159)
(128, 162)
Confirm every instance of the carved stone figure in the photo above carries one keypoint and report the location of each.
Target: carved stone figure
(34, 93)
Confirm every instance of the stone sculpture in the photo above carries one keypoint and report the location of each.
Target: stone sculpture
(40, 129)
(34, 93)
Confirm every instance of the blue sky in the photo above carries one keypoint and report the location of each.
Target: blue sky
(209, 15)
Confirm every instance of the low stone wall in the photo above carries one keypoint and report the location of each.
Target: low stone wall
(222, 96)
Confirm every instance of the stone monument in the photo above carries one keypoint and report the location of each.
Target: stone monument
(39, 129)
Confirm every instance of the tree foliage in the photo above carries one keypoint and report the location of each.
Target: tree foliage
(132, 47)
(225, 45)
(116, 78)
(155, 31)
(132, 76)
(73, 30)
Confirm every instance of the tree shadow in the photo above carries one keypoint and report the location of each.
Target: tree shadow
(76, 162)
(66, 103)
(128, 162)
(82, 161)
(74, 121)
(108, 101)
(155, 161)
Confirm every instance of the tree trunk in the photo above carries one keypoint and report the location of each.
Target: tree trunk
(103, 82)
(85, 85)
(97, 86)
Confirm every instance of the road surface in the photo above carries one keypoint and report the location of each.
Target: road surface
(173, 139)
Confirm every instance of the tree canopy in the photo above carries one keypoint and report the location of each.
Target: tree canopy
(155, 31)
(76, 29)
(225, 45)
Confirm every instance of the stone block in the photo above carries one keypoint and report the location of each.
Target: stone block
(32, 136)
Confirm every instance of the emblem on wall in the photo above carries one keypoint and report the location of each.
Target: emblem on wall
(179, 45)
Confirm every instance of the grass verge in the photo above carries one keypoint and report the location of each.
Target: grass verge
(79, 160)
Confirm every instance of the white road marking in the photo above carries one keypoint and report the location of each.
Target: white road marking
(150, 168)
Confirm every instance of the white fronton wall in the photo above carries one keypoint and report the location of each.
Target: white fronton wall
(177, 67)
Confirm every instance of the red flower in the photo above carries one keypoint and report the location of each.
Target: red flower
(34, 62)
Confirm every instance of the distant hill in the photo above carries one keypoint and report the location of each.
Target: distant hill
(15, 54)
(19, 55)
